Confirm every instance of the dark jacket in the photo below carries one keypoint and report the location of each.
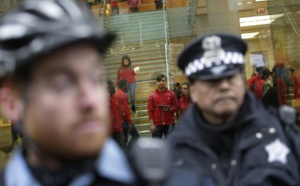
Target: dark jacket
(252, 150)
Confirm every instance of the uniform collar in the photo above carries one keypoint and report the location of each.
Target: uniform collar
(112, 164)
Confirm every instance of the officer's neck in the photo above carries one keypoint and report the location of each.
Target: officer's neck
(218, 119)
(38, 159)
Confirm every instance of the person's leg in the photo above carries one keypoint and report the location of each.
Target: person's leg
(134, 136)
(156, 5)
(132, 88)
(168, 129)
(125, 133)
(159, 132)
(160, 5)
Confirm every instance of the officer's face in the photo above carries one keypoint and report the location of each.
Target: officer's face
(67, 109)
(219, 98)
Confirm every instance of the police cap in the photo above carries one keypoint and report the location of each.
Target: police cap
(212, 57)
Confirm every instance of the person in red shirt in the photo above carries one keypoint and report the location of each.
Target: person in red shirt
(256, 83)
(127, 124)
(114, 6)
(127, 71)
(297, 85)
(185, 99)
(134, 5)
(116, 127)
(162, 103)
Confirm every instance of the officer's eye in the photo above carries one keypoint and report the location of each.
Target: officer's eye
(97, 78)
(61, 83)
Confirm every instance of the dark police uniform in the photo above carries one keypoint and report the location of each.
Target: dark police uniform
(253, 149)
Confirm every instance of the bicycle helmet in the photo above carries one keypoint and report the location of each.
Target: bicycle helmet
(38, 27)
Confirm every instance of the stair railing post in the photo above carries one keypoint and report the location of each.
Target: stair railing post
(167, 42)
(102, 19)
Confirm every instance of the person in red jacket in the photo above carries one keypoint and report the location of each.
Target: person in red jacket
(256, 83)
(128, 72)
(134, 5)
(116, 127)
(127, 124)
(162, 103)
(185, 99)
(114, 6)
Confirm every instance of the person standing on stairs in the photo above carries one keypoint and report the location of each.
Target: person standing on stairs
(185, 99)
(114, 7)
(134, 5)
(162, 104)
(127, 71)
(127, 124)
(158, 4)
(115, 116)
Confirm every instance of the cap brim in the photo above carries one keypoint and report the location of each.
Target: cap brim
(215, 77)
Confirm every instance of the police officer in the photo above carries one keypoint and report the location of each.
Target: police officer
(226, 137)
(50, 51)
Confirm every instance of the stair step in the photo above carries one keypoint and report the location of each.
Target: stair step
(144, 69)
(127, 24)
(142, 37)
(135, 59)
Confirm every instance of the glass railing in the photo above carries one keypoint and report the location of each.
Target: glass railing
(125, 8)
(286, 42)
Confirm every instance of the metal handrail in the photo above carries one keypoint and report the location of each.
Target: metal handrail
(167, 42)
(188, 10)
(101, 14)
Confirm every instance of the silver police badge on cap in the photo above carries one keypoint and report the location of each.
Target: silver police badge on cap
(214, 57)
(212, 49)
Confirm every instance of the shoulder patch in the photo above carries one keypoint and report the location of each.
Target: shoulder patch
(277, 151)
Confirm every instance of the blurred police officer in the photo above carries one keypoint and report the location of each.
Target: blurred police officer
(227, 137)
(51, 50)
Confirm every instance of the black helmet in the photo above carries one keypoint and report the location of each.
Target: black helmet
(38, 27)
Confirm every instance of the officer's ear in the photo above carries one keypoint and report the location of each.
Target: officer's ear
(11, 103)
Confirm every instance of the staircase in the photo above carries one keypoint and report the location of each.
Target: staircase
(286, 35)
(142, 37)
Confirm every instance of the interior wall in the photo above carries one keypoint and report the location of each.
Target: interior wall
(264, 46)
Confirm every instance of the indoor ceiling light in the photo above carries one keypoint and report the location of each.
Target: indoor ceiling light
(260, 0)
(249, 35)
(258, 20)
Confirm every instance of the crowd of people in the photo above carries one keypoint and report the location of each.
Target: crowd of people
(163, 105)
(54, 90)
(272, 87)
